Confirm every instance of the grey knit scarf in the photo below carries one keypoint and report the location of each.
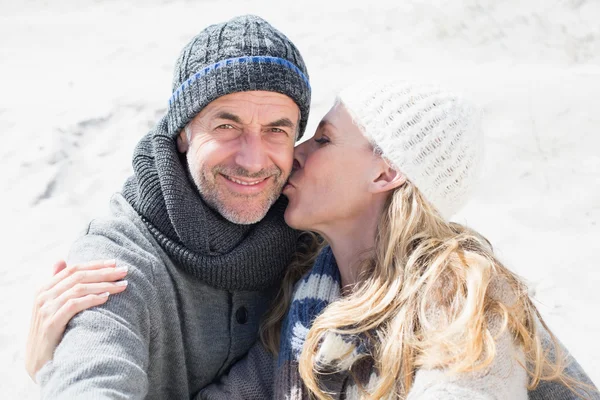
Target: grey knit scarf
(197, 238)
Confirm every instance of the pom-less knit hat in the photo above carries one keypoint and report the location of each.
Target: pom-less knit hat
(432, 136)
(243, 54)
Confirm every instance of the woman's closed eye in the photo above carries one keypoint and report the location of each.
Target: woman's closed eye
(322, 140)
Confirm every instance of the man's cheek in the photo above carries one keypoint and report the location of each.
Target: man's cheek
(285, 166)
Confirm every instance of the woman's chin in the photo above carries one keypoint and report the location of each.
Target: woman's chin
(292, 217)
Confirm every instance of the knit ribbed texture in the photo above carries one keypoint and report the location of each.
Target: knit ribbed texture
(243, 54)
(218, 252)
(432, 136)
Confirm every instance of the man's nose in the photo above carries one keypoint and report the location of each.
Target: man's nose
(252, 155)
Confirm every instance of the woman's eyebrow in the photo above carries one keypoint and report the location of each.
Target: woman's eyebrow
(324, 123)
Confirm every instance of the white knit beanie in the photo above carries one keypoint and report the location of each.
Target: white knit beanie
(431, 136)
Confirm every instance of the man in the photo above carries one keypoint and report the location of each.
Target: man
(199, 226)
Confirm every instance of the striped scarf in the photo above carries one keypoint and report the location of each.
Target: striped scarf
(313, 293)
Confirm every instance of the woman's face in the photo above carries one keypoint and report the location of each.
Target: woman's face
(330, 182)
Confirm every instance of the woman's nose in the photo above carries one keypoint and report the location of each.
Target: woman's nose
(300, 155)
(295, 165)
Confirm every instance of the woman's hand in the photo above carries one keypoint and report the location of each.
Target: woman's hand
(70, 290)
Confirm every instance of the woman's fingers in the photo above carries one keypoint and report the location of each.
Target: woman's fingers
(59, 266)
(79, 277)
(72, 269)
(46, 331)
(80, 291)
(71, 290)
(57, 324)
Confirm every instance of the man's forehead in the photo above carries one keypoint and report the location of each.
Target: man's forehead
(249, 105)
(258, 98)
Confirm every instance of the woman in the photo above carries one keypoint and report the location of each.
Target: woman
(400, 303)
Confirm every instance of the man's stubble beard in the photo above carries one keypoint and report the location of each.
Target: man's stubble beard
(212, 193)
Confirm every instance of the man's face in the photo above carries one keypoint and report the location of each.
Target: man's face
(239, 150)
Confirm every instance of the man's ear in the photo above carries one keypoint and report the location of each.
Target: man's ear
(386, 179)
(182, 142)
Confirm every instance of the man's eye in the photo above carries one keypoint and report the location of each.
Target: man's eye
(277, 130)
(225, 126)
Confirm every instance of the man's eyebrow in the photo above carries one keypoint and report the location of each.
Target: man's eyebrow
(286, 122)
(228, 116)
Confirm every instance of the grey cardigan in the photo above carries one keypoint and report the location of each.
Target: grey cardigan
(166, 337)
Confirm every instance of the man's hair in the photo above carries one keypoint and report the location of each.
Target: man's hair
(188, 131)
(297, 134)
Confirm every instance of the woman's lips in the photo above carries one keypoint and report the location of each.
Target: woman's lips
(288, 185)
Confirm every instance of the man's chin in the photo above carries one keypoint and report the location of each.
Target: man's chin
(245, 213)
(241, 210)
(243, 217)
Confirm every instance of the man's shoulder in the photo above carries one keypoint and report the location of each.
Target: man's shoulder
(122, 224)
(123, 236)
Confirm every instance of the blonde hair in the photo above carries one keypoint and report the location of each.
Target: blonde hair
(420, 263)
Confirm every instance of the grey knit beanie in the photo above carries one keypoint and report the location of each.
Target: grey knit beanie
(243, 54)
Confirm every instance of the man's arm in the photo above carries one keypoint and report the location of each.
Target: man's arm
(104, 351)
